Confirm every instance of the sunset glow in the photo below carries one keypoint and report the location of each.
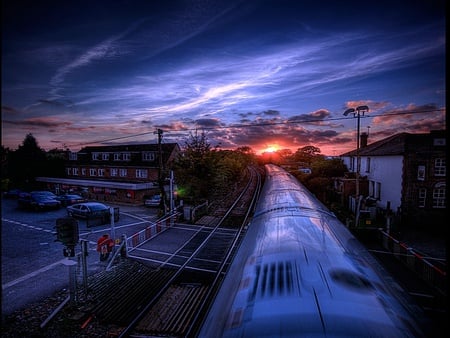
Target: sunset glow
(269, 75)
(270, 149)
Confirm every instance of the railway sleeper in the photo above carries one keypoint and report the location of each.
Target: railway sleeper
(190, 309)
(131, 303)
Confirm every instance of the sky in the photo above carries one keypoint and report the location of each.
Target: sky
(263, 74)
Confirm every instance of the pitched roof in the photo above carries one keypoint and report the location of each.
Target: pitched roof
(165, 147)
(394, 145)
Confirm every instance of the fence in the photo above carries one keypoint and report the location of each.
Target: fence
(432, 274)
(150, 231)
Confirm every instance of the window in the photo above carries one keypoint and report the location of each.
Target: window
(114, 171)
(371, 188)
(73, 156)
(126, 156)
(421, 173)
(375, 189)
(75, 171)
(95, 156)
(123, 172)
(105, 156)
(83, 171)
(92, 172)
(439, 142)
(353, 164)
(368, 165)
(148, 156)
(141, 173)
(116, 156)
(101, 172)
(68, 171)
(422, 197)
(378, 191)
(439, 195)
(439, 167)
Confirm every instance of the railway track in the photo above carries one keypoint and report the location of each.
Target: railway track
(188, 278)
(164, 287)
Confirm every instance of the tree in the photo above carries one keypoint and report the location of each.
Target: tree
(306, 154)
(328, 167)
(27, 162)
(320, 181)
(56, 159)
(285, 155)
(194, 168)
(204, 173)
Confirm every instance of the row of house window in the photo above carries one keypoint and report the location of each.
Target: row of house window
(99, 172)
(123, 156)
(439, 167)
(438, 196)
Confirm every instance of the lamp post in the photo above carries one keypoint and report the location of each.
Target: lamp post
(360, 110)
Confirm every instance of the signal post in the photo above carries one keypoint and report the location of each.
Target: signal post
(67, 233)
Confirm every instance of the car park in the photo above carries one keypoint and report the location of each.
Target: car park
(38, 200)
(70, 199)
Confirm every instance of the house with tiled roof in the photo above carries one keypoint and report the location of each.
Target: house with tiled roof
(116, 173)
(403, 175)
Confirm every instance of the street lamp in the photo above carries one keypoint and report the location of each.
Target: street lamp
(360, 110)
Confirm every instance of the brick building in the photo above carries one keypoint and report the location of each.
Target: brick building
(119, 173)
(405, 174)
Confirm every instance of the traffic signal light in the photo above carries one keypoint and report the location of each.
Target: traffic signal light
(67, 231)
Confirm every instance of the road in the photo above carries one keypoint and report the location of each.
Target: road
(33, 263)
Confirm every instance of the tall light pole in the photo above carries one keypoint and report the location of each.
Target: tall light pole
(360, 110)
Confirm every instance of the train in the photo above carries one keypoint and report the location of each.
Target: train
(299, 272)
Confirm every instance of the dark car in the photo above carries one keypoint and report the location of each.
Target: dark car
(13, 193)
(153, 201)
(69, 199)
(44, 193)
(38, 201)
(88, 210)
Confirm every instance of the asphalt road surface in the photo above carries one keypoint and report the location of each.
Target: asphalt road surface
(33, 263)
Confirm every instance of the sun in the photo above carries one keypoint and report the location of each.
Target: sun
(270, 149)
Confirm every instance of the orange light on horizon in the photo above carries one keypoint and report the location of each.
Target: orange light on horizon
(270, 149)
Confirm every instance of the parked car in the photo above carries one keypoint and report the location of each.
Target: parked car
(88, 210)
(13, 193)
(69, 199)
(153, 201)
(44, 193)
(38, 201)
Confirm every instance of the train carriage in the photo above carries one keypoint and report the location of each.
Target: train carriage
(299, 272)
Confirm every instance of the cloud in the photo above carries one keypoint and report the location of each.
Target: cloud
(44, 122)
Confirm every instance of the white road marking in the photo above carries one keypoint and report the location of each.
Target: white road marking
(32, 274)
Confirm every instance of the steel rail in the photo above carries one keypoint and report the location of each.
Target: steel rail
(204, 307)
(126, 331)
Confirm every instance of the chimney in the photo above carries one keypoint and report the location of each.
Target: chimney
(363, 138)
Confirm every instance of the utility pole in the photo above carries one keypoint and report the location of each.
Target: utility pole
(357, 114)
(160, 171)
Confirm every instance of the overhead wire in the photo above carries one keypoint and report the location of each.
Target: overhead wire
(262, 124)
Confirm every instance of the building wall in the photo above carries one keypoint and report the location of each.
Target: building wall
(384, 172)
(128, 188)
(421, 177)
(403, 167)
